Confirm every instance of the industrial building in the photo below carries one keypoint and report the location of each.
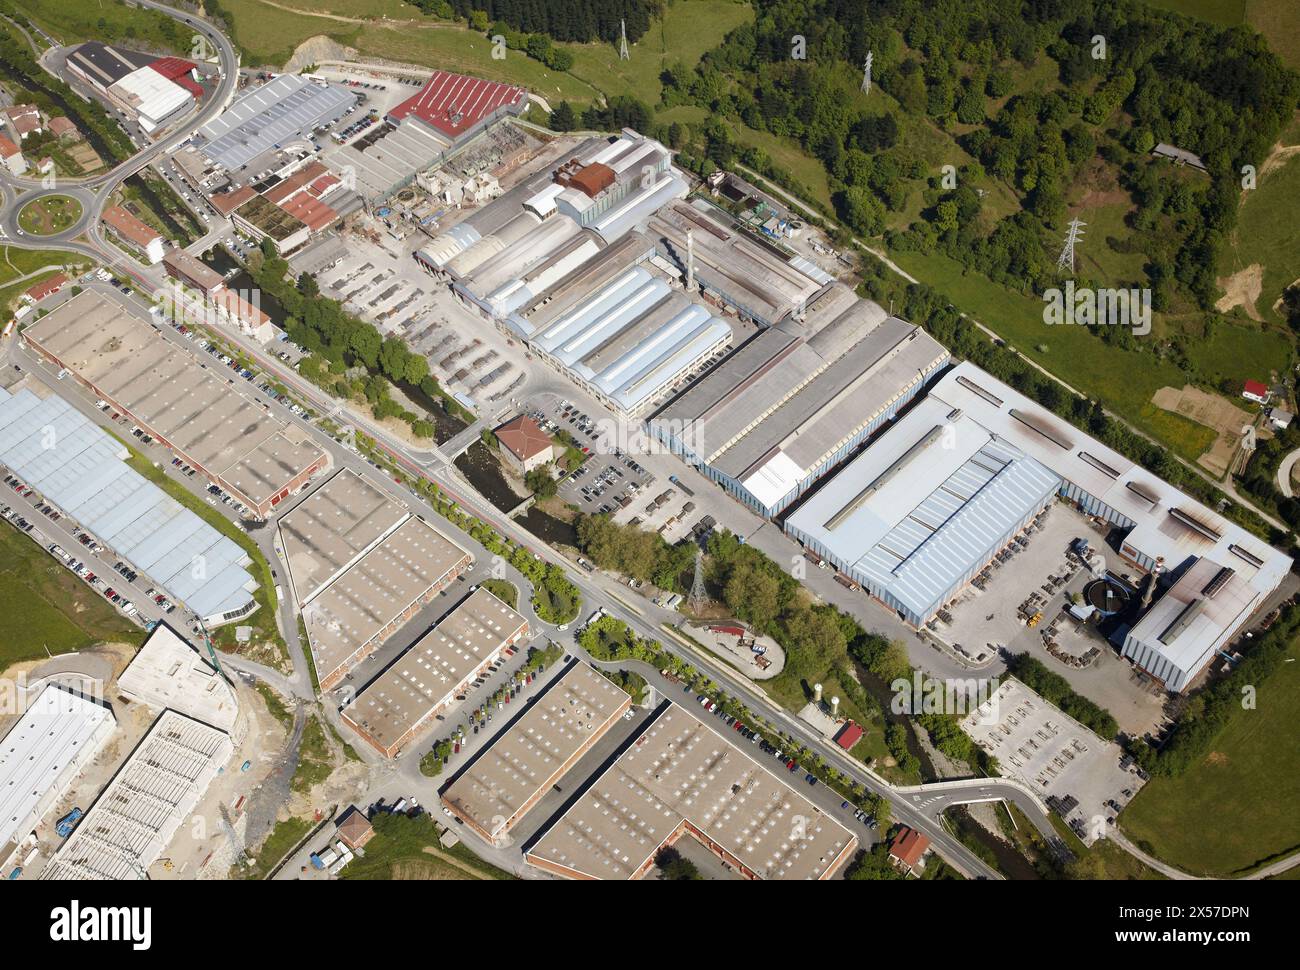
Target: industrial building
(1221, 574)
(151, 796)
(632, 342)
(923, 509)
(733, 265)
(166, 391)
(398, 704)
(678, 779)
(261, 219)
(47, 748)
(456, 107)
(796, 399)
(361, 565)
(1191, 623)
(509, 253)
(86, 477)
(287, 108)
(154, 90)
(168, 672)
(510, 776)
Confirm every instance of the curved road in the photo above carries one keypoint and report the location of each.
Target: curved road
(93, 193)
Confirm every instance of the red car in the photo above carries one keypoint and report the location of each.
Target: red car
(791, 764)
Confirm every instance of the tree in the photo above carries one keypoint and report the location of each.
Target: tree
(541, 482)
(563, 117)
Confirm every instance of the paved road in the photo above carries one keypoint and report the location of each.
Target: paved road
(1284, 472)
(94, 192)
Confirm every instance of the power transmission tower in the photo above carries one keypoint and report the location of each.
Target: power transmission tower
(866, 72)
(623, 55)
(1066, 259)
(699, 596)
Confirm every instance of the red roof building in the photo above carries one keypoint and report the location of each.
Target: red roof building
(7, 148)
(25, 118)
(228, 202)
(180, 71)
(526, 444)
(63, 128)
(908, 847)
(1256, 391)
(316, 215)
(452, 104)
(848, 736)
(130, 229)
(47, 288)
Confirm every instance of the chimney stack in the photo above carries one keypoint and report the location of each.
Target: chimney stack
(1152, 580)
(817, 693)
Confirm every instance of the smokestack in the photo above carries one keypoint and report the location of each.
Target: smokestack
(690, 260)
(817, 693)
(835, 706)
(1151, 584)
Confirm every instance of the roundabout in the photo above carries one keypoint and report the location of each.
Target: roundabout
(50, 215)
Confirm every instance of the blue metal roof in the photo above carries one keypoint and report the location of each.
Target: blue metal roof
(79, 468)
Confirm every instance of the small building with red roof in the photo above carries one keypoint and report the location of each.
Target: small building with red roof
(524, 445)
(12, 156)
(908, 849)
(1255, 391)
(849, 735)
(46, 287)
(134, 233)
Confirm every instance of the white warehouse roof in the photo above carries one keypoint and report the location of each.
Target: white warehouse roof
(924, 508)
(48, 746)
(154, 96)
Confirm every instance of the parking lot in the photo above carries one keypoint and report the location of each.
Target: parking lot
(383, 285)
(610, 479)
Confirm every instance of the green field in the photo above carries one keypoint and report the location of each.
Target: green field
(687, 30)
(73, 21)
(50, 608)
(1236, 809)
(398, 851)
(1123, 380)
(1267, 234)
(1242, 353)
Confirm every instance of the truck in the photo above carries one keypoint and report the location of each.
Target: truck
(815, 559)
(847, 583)
(65, 825)
(677, 481)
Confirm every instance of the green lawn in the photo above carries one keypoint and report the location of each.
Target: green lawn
(49, 215)
(73, 21)
(398, 852)
(1236, 809)
(1268, 234)
(1243, 353)
(504, 590)
(51, 609)
(1123, 380)
(688, 29)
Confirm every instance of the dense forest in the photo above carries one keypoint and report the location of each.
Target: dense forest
(1220, 93)
(579, 20)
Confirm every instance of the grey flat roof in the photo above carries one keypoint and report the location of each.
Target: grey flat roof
(328, 530)
(681, 770)
(757, 278)
(924, 506)
(781, 394)
(282, 109)
(428, 674)
(165, 387)
(375, 590)
(106, 64)
(534, 751)
(169, 672)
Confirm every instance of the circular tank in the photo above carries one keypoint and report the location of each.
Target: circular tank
(1108, 596)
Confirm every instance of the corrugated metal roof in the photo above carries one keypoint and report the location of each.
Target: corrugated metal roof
(79, 468)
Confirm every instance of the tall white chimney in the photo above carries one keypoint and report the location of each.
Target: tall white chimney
(817, 693)
(835, 706)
